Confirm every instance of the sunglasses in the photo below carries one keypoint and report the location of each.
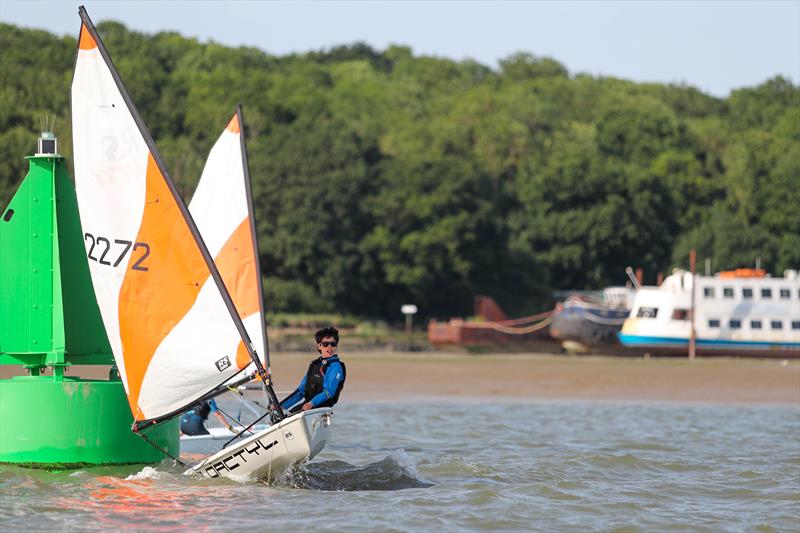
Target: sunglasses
(326, 344)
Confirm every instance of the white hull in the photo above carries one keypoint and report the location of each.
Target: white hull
(296, 439)
(213, 441)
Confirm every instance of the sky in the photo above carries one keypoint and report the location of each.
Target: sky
(716, 46)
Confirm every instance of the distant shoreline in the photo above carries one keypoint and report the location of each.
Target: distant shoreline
(447, 377)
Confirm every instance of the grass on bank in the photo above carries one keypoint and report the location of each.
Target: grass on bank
(295, 332)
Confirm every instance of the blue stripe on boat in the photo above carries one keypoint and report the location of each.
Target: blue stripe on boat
(644, 341)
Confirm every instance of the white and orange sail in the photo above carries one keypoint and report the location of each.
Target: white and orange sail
(222, 208)
(173, 329)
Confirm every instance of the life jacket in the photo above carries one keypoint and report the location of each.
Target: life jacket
(315, 378)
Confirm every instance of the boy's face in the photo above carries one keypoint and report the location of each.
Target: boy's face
(327, 346)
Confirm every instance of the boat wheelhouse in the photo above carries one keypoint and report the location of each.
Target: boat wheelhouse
(739, 312)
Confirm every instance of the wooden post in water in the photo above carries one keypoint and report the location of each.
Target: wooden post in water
(692, 261)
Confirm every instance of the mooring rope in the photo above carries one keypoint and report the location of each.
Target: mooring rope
(518, 331)
(524, 319)
(503, 327)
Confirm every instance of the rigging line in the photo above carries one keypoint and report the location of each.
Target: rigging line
(159, 448)
(231, 418)
(245, 399)
(245, 402)
(271, 455)
(239, 414)
(246, 429)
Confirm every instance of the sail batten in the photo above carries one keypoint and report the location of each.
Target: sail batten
(173, 328)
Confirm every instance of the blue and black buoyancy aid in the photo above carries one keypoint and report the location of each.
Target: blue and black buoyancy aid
(315, 378)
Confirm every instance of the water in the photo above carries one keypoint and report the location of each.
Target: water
(476, 467)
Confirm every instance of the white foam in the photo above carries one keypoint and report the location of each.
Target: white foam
(147, 472)
(405, 462)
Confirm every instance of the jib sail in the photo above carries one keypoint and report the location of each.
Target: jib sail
(222, 208)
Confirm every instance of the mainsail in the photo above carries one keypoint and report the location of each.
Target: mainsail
(173, 328)
(222, 208)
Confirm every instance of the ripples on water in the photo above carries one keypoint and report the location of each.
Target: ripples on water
(390, 467)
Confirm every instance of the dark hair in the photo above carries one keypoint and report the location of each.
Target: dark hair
(327, 332)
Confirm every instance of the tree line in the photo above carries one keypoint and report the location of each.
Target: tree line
(382, 178)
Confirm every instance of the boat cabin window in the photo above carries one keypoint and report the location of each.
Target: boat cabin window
(747, 293)
(708, 292)
(647, 312)
(727, 292)
(735, 324)
(777, 324)
(755, 324)
(680, 314)
(795, 324)
(786, 293)
(766, 293)
(713, 323)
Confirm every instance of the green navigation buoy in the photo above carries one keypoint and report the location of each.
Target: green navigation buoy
(49, 321)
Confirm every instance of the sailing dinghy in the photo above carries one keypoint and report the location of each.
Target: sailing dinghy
(173, 327)
(222, 208)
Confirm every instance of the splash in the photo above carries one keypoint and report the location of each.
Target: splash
(147, 472)
(394, 472)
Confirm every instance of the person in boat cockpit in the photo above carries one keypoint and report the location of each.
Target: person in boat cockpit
(193, 422)
(324, 380)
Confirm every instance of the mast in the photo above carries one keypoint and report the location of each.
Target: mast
(87, 22)
(252, 212)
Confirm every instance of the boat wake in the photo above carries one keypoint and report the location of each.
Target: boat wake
(390, 473)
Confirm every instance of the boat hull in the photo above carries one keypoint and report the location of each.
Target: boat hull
(212, 441)
(267, 453)
(587, 326)
(680, 346)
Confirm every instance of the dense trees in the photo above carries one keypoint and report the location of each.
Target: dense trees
(382, 178)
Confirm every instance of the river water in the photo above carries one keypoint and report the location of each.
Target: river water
(454, 467)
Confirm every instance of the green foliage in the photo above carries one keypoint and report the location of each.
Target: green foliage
(313, 320)
(761, 107)
(523, 65)
(385, 178)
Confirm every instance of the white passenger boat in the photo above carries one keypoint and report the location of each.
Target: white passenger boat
(739, 312)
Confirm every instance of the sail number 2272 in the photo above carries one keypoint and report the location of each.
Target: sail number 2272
(100, 250)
